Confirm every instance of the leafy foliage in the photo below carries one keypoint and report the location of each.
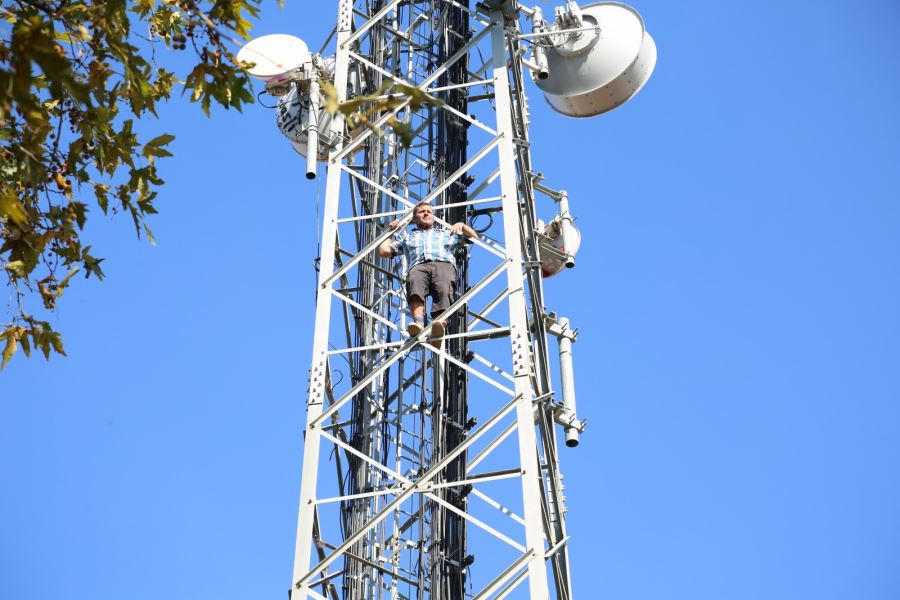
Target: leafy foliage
(74, 78)
(362, 111)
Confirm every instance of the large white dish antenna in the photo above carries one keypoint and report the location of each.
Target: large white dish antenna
(595, 71)
(276, 57)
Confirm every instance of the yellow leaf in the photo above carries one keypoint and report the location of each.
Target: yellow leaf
(9, 350)
(65, 281)
(56, 342)
(16, 267)
(150, 237)
(11, 207)
(61, 182)
(331, 102)
(26, 345)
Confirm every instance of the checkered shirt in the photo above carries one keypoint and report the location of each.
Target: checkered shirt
(420, 245)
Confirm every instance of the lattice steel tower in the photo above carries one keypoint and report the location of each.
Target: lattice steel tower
(431, 470)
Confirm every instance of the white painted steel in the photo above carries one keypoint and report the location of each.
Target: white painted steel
(593, 72)
(568, 231)
(537, 50)
(518, 320)
(312, 130)
(319, 367)
(409, 489)
(567, 380)
(403, 381)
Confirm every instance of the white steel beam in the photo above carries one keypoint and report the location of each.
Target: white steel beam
(318, 371)
(518, 318)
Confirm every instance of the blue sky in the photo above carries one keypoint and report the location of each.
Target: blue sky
(737, 361)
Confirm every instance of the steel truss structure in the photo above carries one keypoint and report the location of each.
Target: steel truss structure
(432, 472)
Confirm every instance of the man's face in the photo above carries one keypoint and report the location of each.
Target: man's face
(424, 216)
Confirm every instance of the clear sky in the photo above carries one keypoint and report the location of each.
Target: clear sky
(737, 293)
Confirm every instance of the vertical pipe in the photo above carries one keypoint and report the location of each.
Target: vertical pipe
(568, 235)
(567, 380)
(312, 132)
(540, 55)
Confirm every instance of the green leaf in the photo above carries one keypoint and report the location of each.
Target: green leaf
(56, 342)
(101, 191)
(42, 341)
(155, 146)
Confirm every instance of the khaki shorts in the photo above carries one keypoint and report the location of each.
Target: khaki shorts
(433, 278)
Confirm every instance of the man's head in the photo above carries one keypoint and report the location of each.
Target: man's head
(422, 215)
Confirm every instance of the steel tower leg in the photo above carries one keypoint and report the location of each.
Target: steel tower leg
(319, 367)
(518, 319)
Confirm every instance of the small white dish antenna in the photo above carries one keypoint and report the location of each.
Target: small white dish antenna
(554, 253)
(275, 57)
(595, 71)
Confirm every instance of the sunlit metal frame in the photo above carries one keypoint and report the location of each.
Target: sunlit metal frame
(529, 409)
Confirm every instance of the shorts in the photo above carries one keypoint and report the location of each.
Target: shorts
(433, 278)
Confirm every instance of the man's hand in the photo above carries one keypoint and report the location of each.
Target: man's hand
(384, 249)
(462, 228)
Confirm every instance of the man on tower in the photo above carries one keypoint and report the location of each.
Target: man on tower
(430, 263)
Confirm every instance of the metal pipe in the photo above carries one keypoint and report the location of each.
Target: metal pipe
(567, 380)
(540, 55)
(312, 131)
(566, 232)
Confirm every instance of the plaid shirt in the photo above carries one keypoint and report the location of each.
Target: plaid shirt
(420, 245)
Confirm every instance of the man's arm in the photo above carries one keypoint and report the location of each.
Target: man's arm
(385, 250)
(462, 228)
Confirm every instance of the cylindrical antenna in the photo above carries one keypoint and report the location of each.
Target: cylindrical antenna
(537, 49)
(312, 133)
(568, 236)
(567, 380)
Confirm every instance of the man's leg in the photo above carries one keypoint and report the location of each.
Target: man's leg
(443, 282)
(417, 308)
(417, 283)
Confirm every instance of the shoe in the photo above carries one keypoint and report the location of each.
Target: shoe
(437, 334)
(414, 328)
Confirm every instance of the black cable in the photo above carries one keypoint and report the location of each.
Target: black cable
(259, 95)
